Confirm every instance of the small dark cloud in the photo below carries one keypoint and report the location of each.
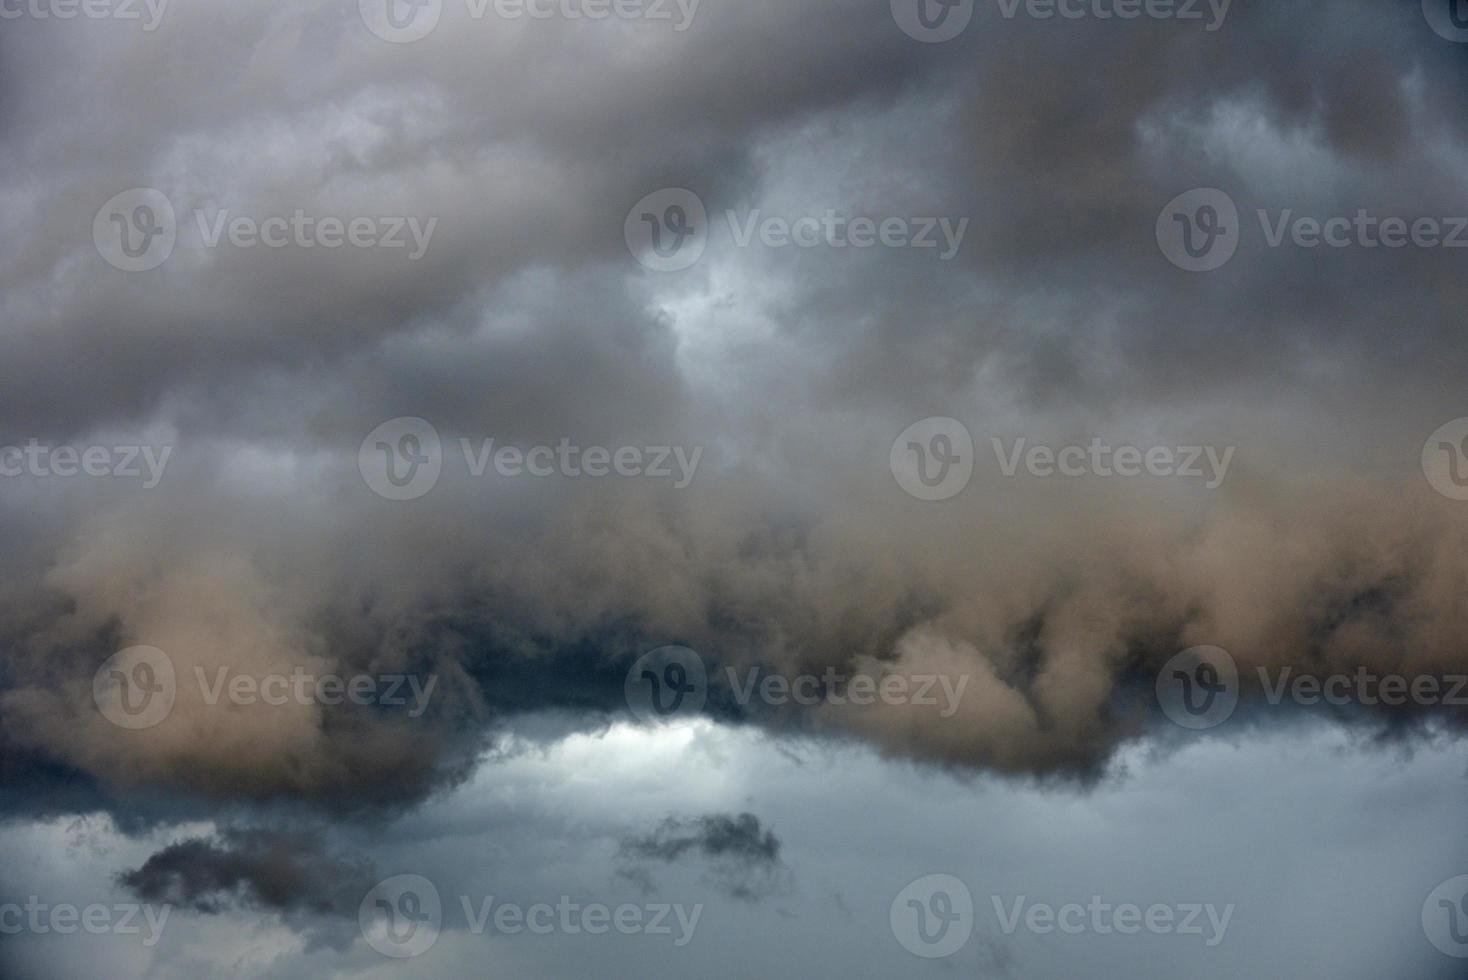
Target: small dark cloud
(281, 871)
(742, 855)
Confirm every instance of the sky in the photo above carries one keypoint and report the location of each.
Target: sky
(733, 487)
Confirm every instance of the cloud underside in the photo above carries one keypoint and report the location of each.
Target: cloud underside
(527, 321)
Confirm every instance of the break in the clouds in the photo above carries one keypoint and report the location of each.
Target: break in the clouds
(480, 362)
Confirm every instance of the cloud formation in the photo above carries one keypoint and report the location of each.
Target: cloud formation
(526, 320)
(743, 857)
(251, 869)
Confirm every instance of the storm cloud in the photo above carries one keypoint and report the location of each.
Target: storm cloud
(263, 550)
(743, 856)
(251, 868)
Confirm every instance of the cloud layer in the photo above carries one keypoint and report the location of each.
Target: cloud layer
(262, 551)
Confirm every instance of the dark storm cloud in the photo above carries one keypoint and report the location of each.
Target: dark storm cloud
(526, 320)
(540, 181)
(1286, 106)
(251, 869)
(712, 835)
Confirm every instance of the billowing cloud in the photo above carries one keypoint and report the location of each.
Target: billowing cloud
(262, 552)
(251, 869)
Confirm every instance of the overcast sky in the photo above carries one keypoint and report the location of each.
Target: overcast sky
(857, 482)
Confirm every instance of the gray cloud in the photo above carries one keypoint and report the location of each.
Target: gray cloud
(527, 321)
(252, 869)
(743, 857)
